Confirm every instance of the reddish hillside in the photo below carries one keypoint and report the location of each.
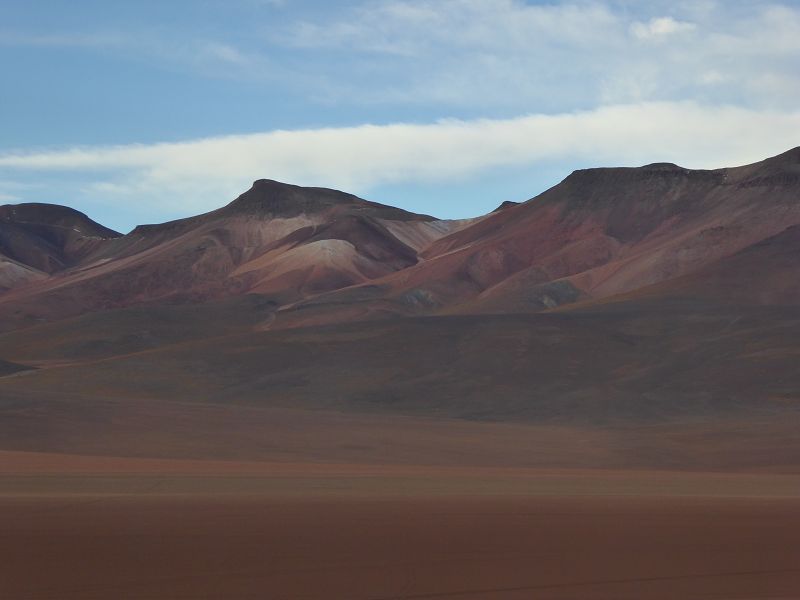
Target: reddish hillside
(599, 233)
(283, 241)
(762, 274)
(320, 256)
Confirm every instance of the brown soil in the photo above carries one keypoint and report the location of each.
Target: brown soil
(403, 533)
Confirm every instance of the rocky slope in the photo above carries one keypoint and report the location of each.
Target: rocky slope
(322, 256)
(277, 240)
(597, 234)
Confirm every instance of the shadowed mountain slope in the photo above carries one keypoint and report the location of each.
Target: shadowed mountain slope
(765, 273)
(639, 362)
(654, 386)
(37, 240)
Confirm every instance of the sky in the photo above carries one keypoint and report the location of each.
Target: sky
(142, 112)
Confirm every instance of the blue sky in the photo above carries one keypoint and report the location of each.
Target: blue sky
(147, 111)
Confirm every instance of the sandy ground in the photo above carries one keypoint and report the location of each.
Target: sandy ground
(100, 528)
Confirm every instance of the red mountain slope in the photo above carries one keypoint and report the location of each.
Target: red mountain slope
(280, 240)
(599, 233)
(321, 256)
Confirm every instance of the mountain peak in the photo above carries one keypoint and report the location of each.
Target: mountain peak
(48, 237)
(506, 205)
(661, 173)
(662, 166)
(781, 170)
(791, 155)
(277, 199)
(790, 159)
(270, 198)
(41, 214)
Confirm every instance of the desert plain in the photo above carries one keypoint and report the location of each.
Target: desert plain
(93, 527)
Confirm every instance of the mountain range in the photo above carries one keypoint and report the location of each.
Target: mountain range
(652, 299)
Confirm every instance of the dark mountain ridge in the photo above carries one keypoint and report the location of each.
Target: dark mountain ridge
(49, 237)
(321, 255)
(277, 239)
(272, 198)
(599, 233)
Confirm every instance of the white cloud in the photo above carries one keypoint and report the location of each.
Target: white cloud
(488, 24)
(201, 174)
(659, 27)
(208, 57)
(8, 197)
(225, 53)
(516, 55)
(495, 56)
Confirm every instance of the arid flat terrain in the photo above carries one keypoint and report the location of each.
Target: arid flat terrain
(97, 528)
